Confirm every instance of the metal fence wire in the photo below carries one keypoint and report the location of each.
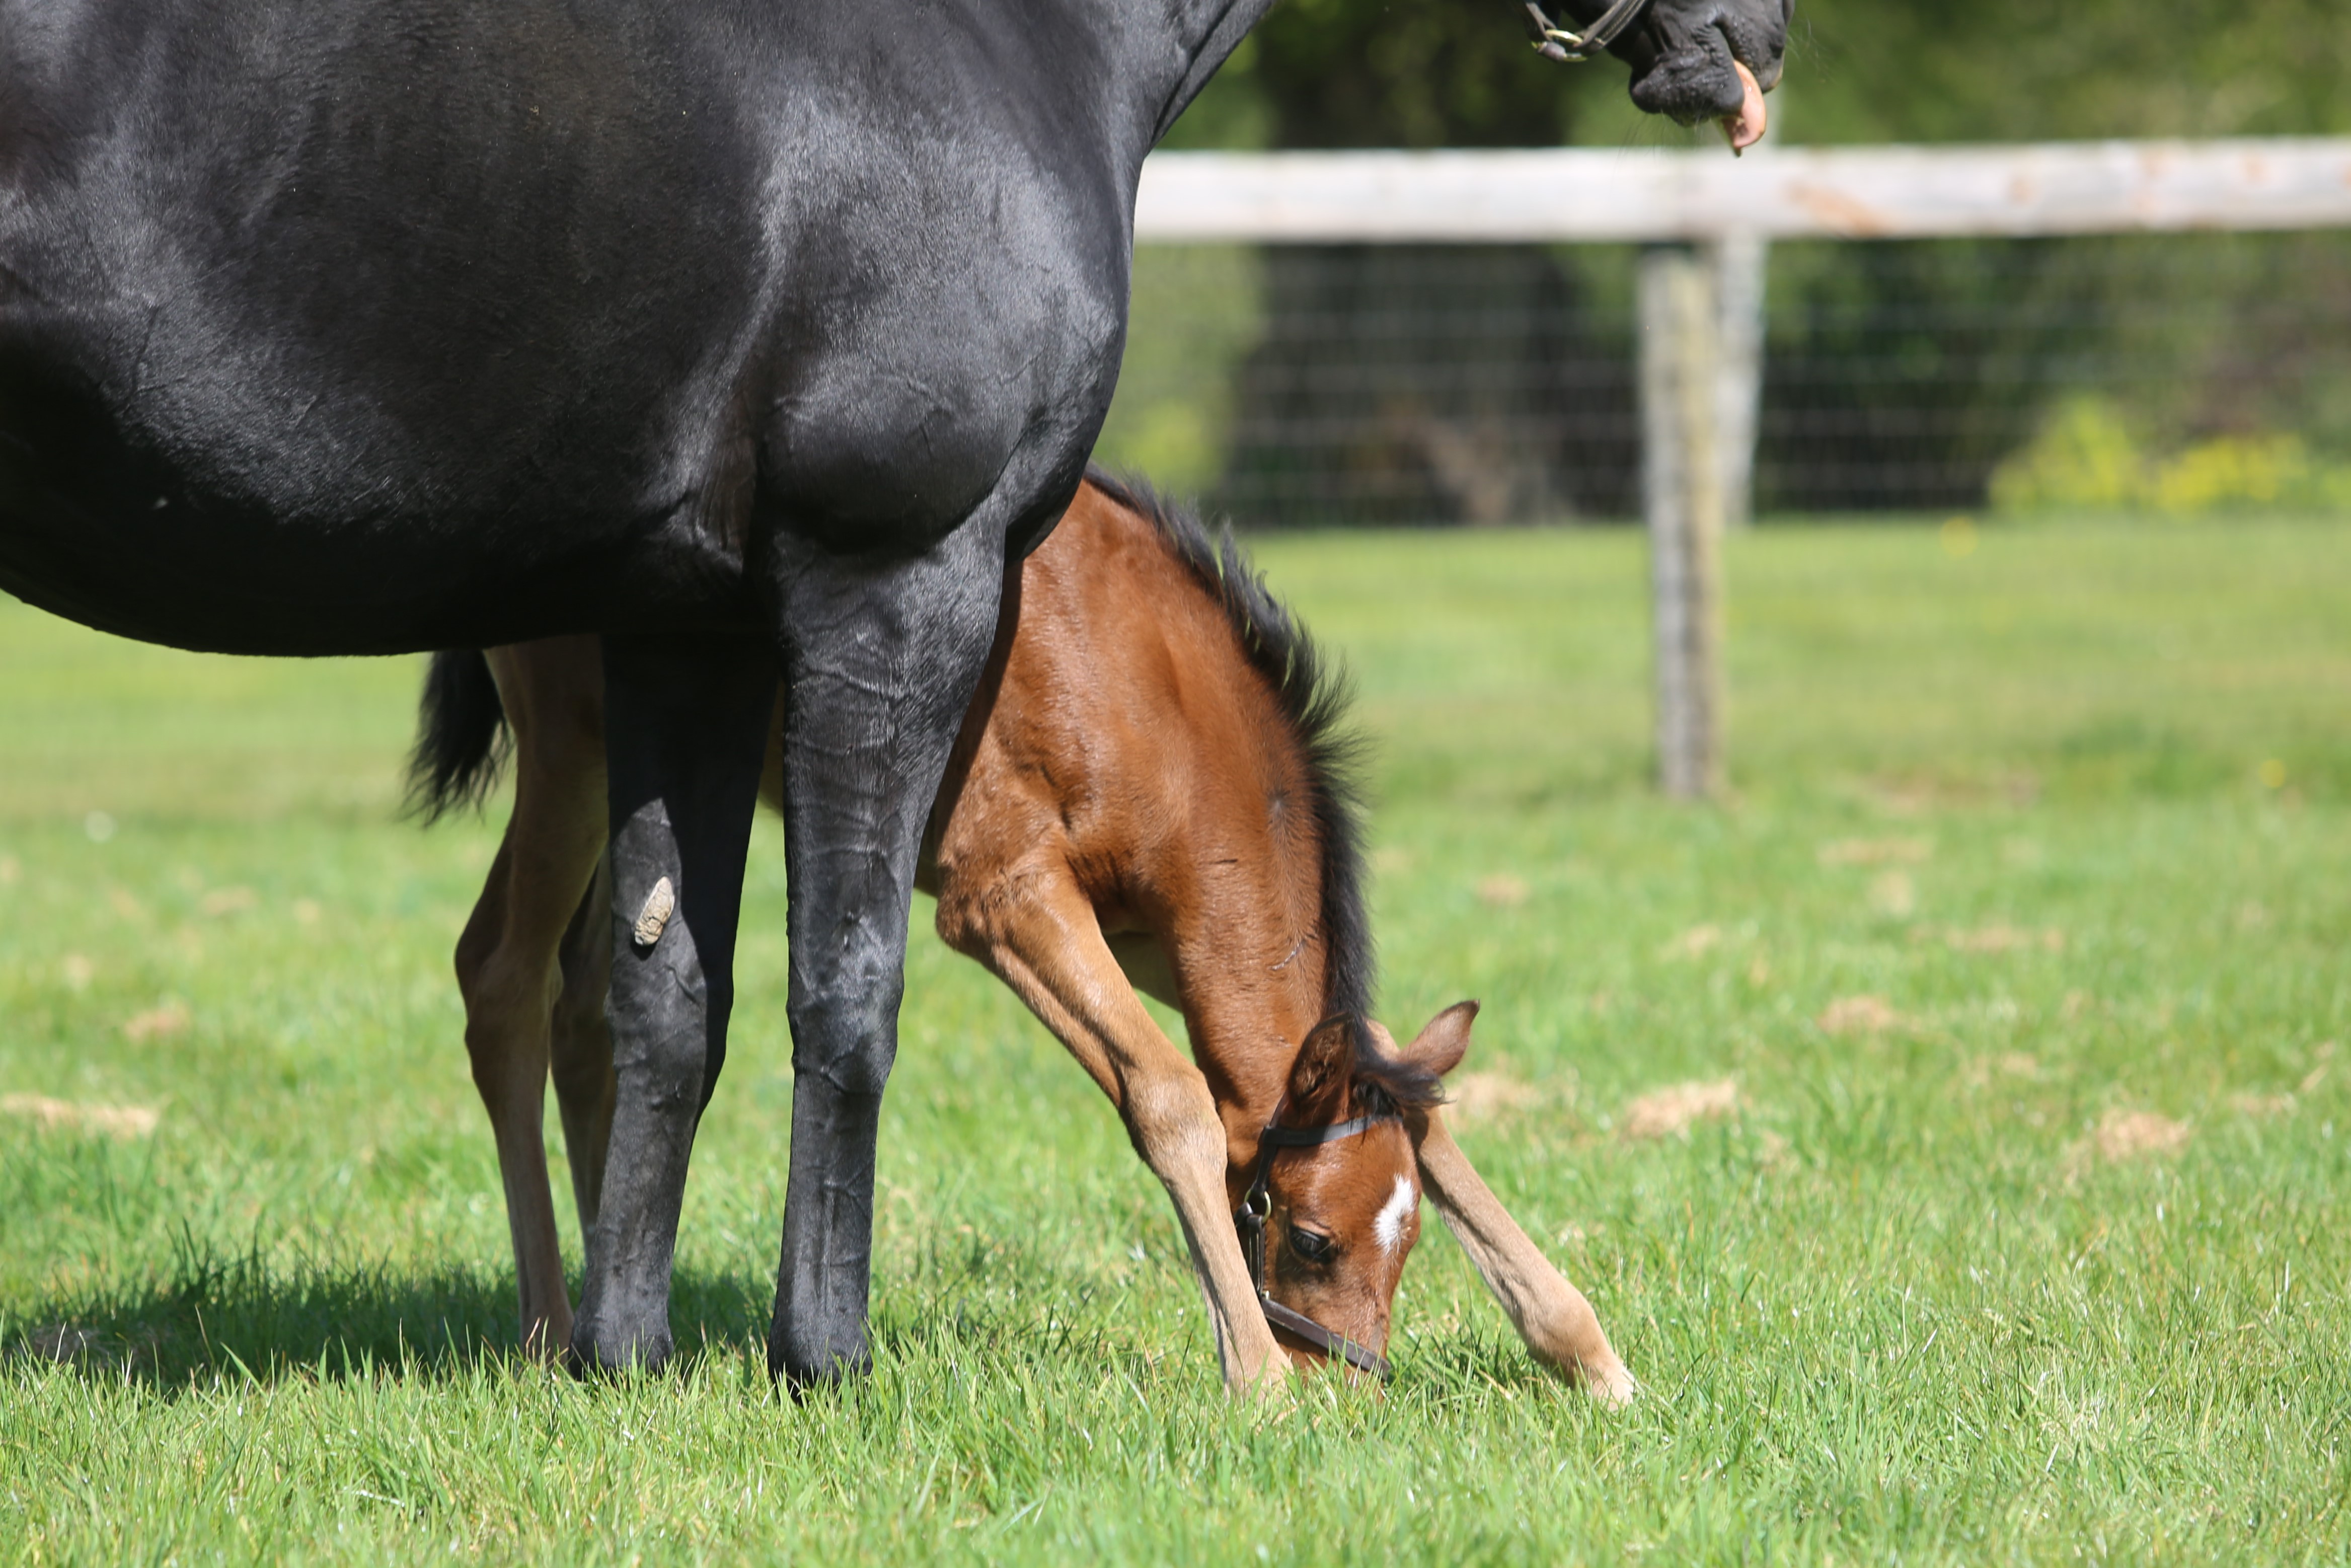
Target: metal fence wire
(1417, 384)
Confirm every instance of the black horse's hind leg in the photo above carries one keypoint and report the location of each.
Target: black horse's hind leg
(879, 668)
(686, 728)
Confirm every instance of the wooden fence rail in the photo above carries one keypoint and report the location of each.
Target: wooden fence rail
(1860, 192)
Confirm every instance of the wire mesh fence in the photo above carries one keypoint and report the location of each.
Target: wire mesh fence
(1409, 385)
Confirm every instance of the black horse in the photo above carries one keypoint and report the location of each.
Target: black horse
(713, 326)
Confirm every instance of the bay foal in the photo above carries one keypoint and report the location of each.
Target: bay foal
(1149, 793)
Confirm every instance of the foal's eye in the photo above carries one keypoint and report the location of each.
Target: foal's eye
(1313, 1248)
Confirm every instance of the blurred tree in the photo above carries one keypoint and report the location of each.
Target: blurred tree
(1421, 73)
(2017, 70)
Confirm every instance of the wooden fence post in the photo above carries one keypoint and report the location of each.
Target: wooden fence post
(1682, 484)
(1741, 263)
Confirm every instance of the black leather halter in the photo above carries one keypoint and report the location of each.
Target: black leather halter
(1553, 42)
(1257, 1205)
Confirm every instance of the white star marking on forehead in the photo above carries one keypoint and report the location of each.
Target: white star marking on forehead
(1388, 1225)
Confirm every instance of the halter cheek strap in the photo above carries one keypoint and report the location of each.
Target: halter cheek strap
(1554, 42)
(1256, 1207)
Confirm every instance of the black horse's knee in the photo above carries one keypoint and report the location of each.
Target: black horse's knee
(845, 1030)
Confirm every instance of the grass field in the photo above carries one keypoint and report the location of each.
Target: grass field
(2023, 1236)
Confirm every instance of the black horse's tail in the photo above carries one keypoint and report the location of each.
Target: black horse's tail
(460, 736)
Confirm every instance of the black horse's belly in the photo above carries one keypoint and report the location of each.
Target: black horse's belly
(218, 508)
(539, 330)
(163, 562)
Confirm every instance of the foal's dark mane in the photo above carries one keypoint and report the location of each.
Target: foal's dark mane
(1313, 696)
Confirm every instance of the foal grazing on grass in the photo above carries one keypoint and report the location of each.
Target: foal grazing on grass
(1148, 794)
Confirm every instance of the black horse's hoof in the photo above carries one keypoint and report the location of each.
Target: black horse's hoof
(804, 1376)
(603, 1354)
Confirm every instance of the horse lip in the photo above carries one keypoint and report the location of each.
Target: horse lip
(1745, 128)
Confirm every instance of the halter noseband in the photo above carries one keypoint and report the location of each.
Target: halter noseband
(1553, 42)
(1257, 1206)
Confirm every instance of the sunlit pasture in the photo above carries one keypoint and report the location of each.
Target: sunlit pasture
(1952, 1126)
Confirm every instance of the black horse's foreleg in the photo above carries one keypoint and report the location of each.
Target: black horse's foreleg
(685, 727)
(879, 668)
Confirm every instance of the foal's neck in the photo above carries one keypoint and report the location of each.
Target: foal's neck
(1252, 968)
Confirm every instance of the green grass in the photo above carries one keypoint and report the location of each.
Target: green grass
(1902, 1304)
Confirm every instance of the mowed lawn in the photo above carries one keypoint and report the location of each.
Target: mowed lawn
(1953, 1129)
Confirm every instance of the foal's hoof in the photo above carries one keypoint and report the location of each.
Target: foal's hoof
(1275, 1386)
(1609, 1383)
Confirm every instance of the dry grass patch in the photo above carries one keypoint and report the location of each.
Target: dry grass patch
(1894, 893)
(1502, 892)
(1918, 794)
(2007, 1064)
(1694, 942)
(228, 901)
(1859, 1015)
(158, 1022)
(114, 1121)
(1999, 938)
(1671, 1112)
(1480, 1096)
(2123, 1135)
(1876, 852)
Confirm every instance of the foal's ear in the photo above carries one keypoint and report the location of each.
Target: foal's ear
(1321, 1072)
(1440, 1046)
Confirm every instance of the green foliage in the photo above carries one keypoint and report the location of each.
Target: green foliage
(2071, 802)
(2087, 455)
(1196, 312)
(1434, 73)
(2023, 71)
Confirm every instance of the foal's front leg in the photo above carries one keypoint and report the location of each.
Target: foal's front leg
(1551, 1315)
(685, 727)
(1044, 941)
(880, 664)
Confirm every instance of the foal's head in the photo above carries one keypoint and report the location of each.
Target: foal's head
(1346, 1213)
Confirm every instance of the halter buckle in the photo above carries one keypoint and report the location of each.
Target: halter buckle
(1553, 42)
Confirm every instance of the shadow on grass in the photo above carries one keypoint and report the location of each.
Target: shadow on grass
(988, 1310)
(246, 1317)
